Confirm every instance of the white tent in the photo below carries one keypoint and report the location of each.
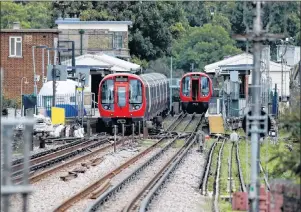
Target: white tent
(63, 87)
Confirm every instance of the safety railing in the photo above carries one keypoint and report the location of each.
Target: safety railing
(72, 103)
(7, 187)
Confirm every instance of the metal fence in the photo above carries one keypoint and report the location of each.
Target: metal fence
(74, 104)
(7, 187)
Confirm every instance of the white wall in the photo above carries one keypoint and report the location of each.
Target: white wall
(110, 27)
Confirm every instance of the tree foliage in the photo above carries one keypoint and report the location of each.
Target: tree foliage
(34, 15)
(160, 27)
(202, 46)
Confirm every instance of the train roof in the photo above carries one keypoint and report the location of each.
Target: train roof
(190, 73)
(150, 79)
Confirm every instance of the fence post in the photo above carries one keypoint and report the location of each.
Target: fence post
(115, 131)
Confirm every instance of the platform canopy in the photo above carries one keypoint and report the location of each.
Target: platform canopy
(101, 59)
(245, 59)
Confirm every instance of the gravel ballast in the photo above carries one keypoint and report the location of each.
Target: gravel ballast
(129, 191)
(51, 192)
(180, 192)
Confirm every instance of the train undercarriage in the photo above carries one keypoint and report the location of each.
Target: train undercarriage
(195, 107)
(107, 124)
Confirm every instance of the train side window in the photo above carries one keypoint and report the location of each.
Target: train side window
(136, 92)
(186, 86)
(204, 86)
(107, 92)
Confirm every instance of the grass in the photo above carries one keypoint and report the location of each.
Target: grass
(213, 167)
(179, 143)
(224, 168)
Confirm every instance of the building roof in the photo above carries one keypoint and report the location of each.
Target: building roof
(244, 58)
(31, 30)
(102, 59)
(78, 21)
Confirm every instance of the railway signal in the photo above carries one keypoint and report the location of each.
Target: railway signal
(262, 128)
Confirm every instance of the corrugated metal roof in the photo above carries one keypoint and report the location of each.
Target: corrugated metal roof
(104, 60)
(244, 58)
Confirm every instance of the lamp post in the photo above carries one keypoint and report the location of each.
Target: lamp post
(26, 82)
(34, 65)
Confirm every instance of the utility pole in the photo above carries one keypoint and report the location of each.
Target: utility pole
(256, 109)
(53, 85)
(170, 85)
(257, 36)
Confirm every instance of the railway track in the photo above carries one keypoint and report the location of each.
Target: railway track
(78, 155)
(88, 191)
(89, 143)
(143, 200)
(76, 141)
(139, 177)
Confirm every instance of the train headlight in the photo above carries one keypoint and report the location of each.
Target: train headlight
(106, 107)
(137, 107)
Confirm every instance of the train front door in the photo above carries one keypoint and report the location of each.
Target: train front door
(121, 99)
(195, 89)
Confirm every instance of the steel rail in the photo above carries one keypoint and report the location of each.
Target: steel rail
(41, 154)
(54, 154)
(157, 185)
(187, 117)
(190, 121)
(204, 179)
(174, 122)
(105, 196)
(60, 158)
(92, 187)
(217, 178)
(241, 178)
(33, 178)
(198, 123)
(177, 122)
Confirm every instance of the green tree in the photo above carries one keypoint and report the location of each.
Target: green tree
(202, 46)
(33, 15)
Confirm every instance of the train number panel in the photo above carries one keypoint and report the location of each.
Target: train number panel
(195, 92)
(128, 98)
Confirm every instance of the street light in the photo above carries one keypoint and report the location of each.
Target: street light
(26, 82)
(34, 65)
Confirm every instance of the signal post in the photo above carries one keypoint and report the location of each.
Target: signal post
(255, 119)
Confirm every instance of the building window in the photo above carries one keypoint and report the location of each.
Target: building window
(117, 41)
(15, 46)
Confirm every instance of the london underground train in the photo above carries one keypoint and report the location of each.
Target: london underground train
(128, 98)
(195, 92)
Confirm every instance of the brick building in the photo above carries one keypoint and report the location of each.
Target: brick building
(17, 59)
(92, 37)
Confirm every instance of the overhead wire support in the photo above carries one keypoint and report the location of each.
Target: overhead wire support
(257, 36)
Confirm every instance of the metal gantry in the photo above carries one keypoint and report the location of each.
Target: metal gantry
(7, 187)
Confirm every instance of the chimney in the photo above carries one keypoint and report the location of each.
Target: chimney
(16, 25)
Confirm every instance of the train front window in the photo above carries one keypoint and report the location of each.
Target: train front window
(186, 86)
(204, 86)
(121, 96)
(135, 92)
(107, 92)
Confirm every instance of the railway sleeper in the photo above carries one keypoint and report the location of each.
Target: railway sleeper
(118, 187)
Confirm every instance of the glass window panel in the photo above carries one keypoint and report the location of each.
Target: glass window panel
(204, 86)
(186, 86)
(121, 96)
(107, 92)
(12, 47)
(135, 92)
(18, 49)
